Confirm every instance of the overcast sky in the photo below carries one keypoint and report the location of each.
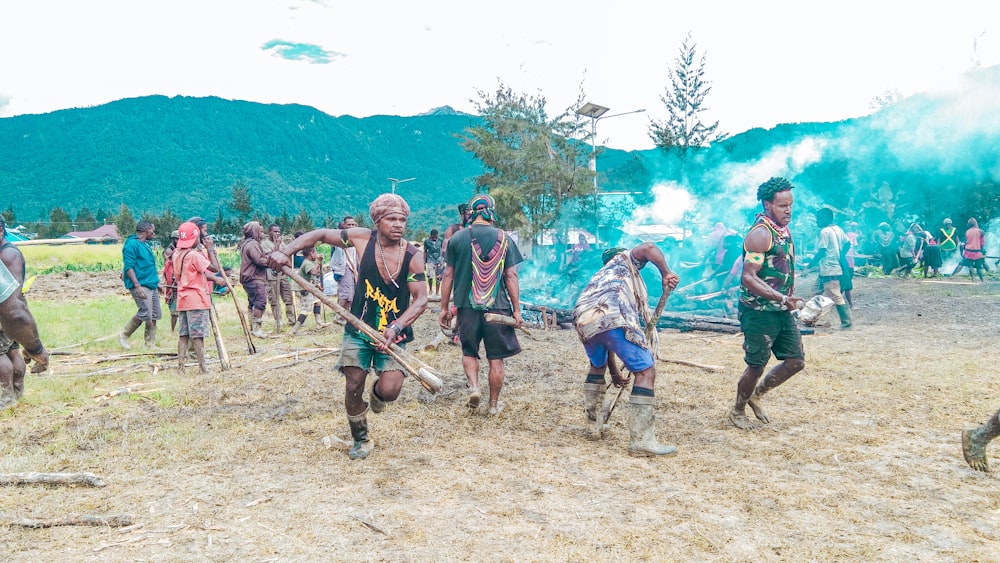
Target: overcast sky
(769, 62)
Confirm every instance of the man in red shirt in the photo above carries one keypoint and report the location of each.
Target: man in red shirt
(193, 270)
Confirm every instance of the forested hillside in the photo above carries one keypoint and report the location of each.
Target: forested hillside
(927, 157)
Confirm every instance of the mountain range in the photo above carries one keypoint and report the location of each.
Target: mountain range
(925, 157)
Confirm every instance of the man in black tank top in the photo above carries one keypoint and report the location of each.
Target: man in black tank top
(390, 294)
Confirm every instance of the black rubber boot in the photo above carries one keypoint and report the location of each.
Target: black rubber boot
(359, 431)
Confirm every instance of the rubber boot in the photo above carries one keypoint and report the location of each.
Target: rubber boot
(290, 313)
(319, 321)
(150, 335)
(131, 327)
(845, 316)
(378, 405)
(593, 400)
(257, 330)
(642, 429)
(296, 327)
(359, 431)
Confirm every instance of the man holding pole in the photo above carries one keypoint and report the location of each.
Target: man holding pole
(481, 274)
(194, 302)
(391, 294)
(609, 315)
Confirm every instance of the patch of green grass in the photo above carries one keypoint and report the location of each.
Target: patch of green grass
(43, 259)
(64, 323)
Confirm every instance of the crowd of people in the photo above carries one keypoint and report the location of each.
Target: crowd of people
(384, 283)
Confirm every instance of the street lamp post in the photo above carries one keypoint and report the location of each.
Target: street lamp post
(395, 181)
(597, 113)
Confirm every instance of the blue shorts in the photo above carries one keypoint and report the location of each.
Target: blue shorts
(636, 357)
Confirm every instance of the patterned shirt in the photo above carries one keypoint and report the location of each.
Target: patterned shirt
(615, 297)
(777, 266)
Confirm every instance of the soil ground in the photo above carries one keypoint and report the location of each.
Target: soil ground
(862, 460)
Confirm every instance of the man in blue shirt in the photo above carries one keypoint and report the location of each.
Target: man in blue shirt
(142, 280)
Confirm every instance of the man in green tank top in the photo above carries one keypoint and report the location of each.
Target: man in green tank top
(766, 302)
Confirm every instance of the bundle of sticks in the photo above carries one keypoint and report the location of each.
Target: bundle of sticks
(420, 371)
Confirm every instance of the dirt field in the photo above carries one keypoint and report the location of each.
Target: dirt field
(862, 461)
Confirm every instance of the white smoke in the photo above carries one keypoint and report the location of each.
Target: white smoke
(670, 202)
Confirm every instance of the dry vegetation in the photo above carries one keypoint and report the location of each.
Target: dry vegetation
(862, 463)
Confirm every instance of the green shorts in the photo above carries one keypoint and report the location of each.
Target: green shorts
(356, 351)
(195, 323)
(765, 332)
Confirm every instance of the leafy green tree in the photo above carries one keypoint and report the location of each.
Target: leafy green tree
(8, 215)
(303, 222)
(164, 225)
(125, 222)
(533, 162)
(241, 203)
(85, 220)
(684, 100)
(284, 221)
(59, 223)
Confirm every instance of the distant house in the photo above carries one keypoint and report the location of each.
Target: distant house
(104, 231)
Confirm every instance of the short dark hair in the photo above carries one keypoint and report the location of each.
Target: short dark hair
(824, 217)
(768, 189)
(434, 232)
(143, 226)
(198, 221)
(273, 225)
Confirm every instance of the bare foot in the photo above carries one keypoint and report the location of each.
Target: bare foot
(496, 409)
(975, 454)
(758, 411)
(740, 420)
(474, 400)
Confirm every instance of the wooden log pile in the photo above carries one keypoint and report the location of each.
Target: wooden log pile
(684, 322)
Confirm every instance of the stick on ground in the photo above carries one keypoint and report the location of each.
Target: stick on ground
(34, 478)
(116, 521)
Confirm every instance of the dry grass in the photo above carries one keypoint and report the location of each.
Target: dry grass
(862, 463)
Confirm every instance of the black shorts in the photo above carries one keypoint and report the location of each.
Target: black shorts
(256, 294)
(499, 340)
(765, 332)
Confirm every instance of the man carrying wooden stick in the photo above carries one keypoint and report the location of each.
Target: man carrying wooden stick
(481, 274)
(390, 274)
(194, 302)
(16, 325)
(609, 315)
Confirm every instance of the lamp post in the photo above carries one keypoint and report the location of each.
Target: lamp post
(597, 113)
(395, 181)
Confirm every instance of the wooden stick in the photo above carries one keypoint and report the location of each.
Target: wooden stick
(117, 521)
(499, 319)
(420, 371)
(213, 318)
(692, 364)
(34, 478)
(243, 320)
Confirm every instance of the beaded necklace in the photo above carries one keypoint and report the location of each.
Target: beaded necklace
(399, 263)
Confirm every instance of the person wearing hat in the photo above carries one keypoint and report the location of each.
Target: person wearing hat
(481, 275)
(609, 317)
(390, 295)
(142, 280)
(193, 270)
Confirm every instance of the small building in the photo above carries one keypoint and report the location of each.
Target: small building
(108, 232)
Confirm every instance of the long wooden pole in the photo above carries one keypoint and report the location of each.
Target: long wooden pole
(420, 371)
(217, 333)
(243, 320)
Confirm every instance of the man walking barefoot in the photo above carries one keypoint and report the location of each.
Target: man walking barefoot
(975, 440)
(766, 303)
